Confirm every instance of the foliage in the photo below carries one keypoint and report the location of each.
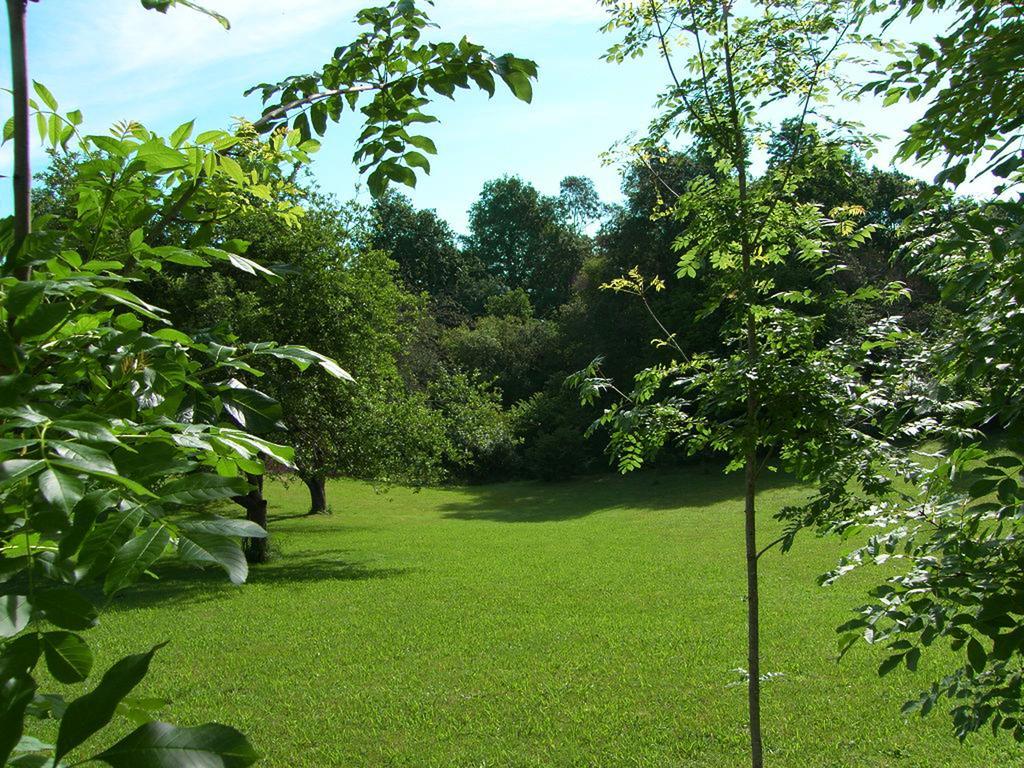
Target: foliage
(552, 430)
(956, 543)
(116, 425)
(429, 259)
(523, 240)
(481, 444)
(519, 353)
(385, 73)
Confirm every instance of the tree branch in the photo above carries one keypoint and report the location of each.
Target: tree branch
(284, 109)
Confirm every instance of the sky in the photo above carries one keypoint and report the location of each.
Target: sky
(114, 60)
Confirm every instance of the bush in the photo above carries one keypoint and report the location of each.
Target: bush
(551, 428)
(478, 430)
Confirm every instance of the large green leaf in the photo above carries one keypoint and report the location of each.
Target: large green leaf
(13, 470)
(224, 526)
(19, 656)
(83, 517)
(207, 548)
(251, 409)
(103, 541)
(15, 695)
(201, 487)
(158, 157)
(161, 745)
(60, 489)
(66, 608)
(43, 320)
(83, 458)
(15, 613)
(136, 556)
(89, 713)
(68, 656)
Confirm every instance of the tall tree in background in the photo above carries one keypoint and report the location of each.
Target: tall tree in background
(428, 255)
(523, 240)
(773, 395)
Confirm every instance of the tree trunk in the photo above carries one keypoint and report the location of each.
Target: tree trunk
(255, 506)
(753, 618)
(317, 485)
(16, 13)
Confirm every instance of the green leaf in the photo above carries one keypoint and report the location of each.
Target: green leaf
(889, 664)
(90, 431)
(83, 517)
(68, 656)
(160, 745)
(16, 694)
(302, 357)
(104, 540)
(24, 297)
(42, 321)
(66, 608)
(201, 548)
(181, 133)
(233, 169)
(44, 93)
(60, 489)
(13, 470)
(83, 458)
(224, 526)
(251, 409)
(15, 613)
(19, 656)
(976, 655)
(417, 160)
(422, 142)
(200, 488)
(89, 713)
(136, 556)
(520, 86)
(158, 157)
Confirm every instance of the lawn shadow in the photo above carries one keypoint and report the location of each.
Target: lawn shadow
(651, 490)
(181, 584)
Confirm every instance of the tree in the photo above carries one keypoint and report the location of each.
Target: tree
(957, 541)
(429, 259)
(116, 424)
(521, 238)
(770, 397)
(579, 201)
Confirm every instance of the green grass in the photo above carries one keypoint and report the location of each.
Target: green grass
(592, 623)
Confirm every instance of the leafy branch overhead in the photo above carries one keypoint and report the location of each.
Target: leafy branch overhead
(389, 74)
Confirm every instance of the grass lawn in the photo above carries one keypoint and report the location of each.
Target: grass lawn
(592, 623)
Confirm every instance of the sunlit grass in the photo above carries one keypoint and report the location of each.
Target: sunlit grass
(592, 623)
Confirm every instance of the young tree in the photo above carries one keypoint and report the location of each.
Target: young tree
(772, 397)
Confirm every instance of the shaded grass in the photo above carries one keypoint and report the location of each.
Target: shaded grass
(591, 623)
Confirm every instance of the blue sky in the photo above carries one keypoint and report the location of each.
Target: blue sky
(114, 60)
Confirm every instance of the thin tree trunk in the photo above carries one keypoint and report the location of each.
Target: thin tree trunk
(255, 506)
(750, 450)
(753, 617)
(317, 485)
(16, 17)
